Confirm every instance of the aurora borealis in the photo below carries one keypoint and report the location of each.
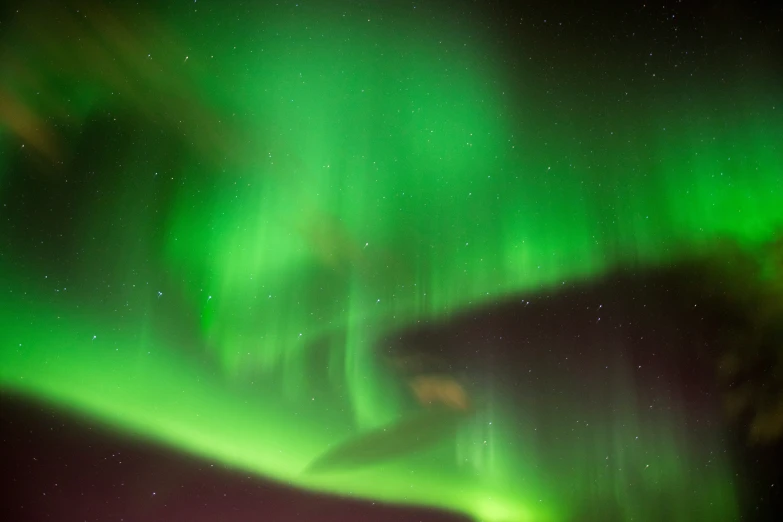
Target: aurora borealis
(223, 223)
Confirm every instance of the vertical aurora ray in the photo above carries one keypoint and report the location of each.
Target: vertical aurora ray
(229, 299)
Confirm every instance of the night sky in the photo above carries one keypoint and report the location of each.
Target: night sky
(417, 261)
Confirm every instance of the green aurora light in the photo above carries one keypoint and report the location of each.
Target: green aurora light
(374, 182)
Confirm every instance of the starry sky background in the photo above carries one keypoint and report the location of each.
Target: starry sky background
(234, 234)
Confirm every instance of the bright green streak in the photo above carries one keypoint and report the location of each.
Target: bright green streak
(389, 181)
